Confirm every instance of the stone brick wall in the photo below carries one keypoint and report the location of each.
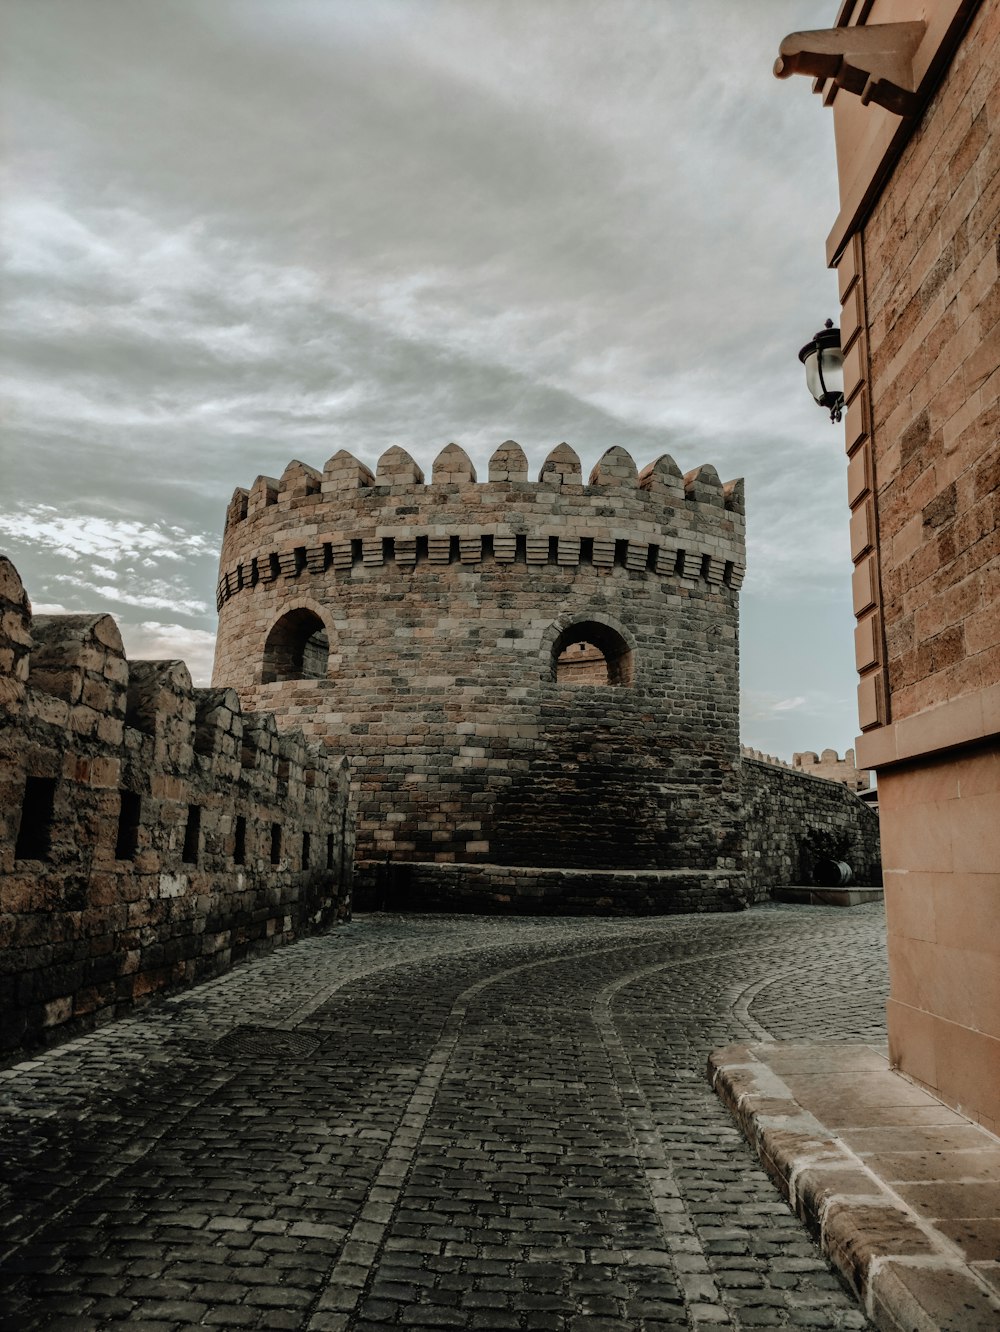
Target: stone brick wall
(150, 834)
(930, 249)
(576, 892)
(919, 276)
(830, 765)
(793, 818)
(442, 610)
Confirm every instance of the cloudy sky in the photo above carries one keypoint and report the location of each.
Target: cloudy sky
(241, 231)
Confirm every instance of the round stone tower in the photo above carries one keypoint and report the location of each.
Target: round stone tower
(537, 681)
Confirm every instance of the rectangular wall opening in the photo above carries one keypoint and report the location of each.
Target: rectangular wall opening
(329, 851)
(129, 817)
(275, 843)
(34, 836)
(240, 841)
(192, 835)
(306, 850)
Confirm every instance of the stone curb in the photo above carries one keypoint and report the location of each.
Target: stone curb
(907, 1275)
(842, 897)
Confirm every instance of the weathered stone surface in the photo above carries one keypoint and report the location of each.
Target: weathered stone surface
(794, 820)
(884, 1217)
(123, 872)
(431, 1122)
(447, 609)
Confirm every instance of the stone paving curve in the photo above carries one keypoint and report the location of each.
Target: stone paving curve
(434, 1122)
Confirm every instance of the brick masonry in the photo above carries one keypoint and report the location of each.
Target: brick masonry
(795, 819)
(930, 254)
(917, 252)
(445, 608)
(150, 834)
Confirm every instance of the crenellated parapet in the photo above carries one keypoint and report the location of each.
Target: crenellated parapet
(830, 765)
(150, 832)
(759, 757)
(658, 521)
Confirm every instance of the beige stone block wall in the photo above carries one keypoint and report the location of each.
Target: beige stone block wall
(931, 255)
(917, 251)
(941, 844)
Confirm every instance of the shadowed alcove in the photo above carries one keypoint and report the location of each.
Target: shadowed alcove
(297, 648)
(590, 653)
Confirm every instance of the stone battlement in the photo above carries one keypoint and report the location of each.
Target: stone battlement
(658, 521)
(538, 673)
(830, 765)
(761, 757)
(151, 833)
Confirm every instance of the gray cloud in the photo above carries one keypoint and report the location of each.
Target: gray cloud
(238, 231)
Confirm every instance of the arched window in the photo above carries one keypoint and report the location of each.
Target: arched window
(297, 648)
(590, 653)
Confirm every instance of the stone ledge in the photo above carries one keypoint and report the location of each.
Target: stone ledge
(807, 895)
(532, 890)
(902, 1193)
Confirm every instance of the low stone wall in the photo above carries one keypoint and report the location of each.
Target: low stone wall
(150, 834)
(793, 819)
(531, 890)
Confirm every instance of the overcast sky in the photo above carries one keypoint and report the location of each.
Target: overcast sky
(238, 232)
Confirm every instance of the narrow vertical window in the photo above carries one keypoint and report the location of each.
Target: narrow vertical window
(275, 843)
(240, 841)
(34, 835)
(129, 816)
(192, 835)
(306, 849)
(329, 850)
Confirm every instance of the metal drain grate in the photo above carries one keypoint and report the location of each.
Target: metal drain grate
(265, 1043)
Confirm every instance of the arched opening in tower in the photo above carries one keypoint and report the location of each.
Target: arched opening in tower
(590, 653)
(297, 648)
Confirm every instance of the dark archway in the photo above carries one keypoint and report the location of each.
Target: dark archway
(590, 653)
(297, 648)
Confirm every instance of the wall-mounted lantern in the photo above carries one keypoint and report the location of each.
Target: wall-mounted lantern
(824, 363)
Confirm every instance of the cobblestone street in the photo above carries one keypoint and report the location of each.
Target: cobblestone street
(435, 1122)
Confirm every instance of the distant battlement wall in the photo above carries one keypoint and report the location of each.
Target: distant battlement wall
(830, 765)
(759, 757)
(526, 673)
(150, 832)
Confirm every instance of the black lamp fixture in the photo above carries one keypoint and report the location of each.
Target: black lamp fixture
(824, 363)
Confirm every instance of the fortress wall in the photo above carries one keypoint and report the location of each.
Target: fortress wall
(121, 792)
(792, 818)
(445, 606)
(829, 764)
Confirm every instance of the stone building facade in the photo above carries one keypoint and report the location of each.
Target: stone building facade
(916, 247)
(526, 673)
(150, 834)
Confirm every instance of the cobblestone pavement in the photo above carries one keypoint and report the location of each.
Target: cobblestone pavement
(434, 1122)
